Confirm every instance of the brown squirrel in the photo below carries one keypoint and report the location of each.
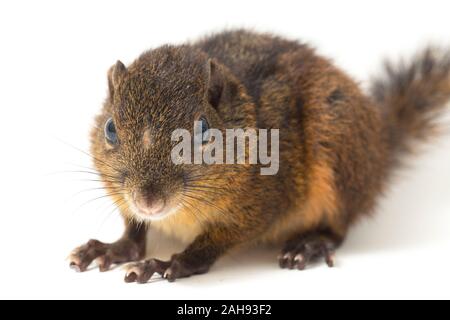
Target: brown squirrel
(338, 148)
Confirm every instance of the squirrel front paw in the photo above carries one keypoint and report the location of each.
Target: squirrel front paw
(176, 268)
(105, 254)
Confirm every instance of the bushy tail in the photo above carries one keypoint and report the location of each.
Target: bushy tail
(412, 95)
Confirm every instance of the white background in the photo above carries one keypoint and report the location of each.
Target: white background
(54, 58)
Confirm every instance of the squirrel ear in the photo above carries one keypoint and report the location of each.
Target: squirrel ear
(216, 83)
(115, 73)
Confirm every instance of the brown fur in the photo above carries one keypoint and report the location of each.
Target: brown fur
(337, 146)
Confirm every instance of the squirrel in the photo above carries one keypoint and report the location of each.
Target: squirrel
(338, 147)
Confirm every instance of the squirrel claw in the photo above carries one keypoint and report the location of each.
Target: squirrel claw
(300, 252)
(104, 254)
(142, 272)
(75, 267)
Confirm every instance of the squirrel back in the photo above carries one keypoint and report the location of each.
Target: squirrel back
(350, 142)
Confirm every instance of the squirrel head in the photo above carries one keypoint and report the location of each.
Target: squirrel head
(163, 90)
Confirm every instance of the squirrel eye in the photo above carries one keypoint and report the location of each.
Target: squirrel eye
(110, 131)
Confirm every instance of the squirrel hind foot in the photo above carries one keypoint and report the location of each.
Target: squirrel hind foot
(301, 251)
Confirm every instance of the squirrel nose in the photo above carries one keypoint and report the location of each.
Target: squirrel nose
(147, 203)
